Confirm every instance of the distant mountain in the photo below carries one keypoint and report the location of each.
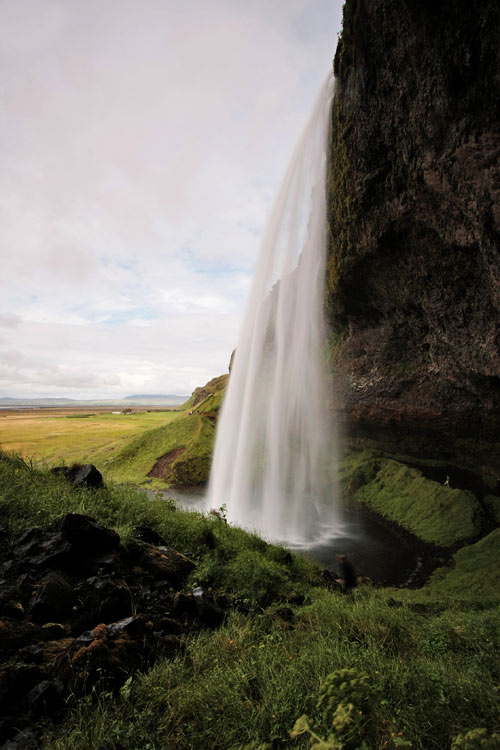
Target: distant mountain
(37, 401)
(149, 396)
(138, 400)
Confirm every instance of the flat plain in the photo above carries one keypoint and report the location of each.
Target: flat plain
(55, 435)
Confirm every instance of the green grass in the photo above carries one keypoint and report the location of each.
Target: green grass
(208, 399)
(60, 437)
(193, 434)
(436, 514)
(475, 572)
(432, 655)
(430, 677)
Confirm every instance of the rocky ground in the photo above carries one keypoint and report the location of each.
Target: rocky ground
(80, 612)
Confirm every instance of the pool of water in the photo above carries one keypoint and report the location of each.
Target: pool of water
(375, 549)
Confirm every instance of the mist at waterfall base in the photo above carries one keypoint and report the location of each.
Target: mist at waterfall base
(274, 464)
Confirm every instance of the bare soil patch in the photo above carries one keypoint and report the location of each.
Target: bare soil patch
(162, 467)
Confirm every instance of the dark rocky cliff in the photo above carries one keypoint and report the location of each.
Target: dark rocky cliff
(414, 214)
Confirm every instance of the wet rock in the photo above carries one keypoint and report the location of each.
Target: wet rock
(22, 678)
(413, 266)
(53, 599)
(54, 631)
(184, 606)
(25, 739)
(206, 610)
(87, 537)
(11, 608)
(14, 635)
(47, 697)
(82, 634)
(31, 654)
(327, 578)
(107, 655)
(41, 548)
(147, 534)
(85, 475)
(199, 606)
(162, 563)
(137, 625)
(168, 626)
(52, 650)
(102, 599)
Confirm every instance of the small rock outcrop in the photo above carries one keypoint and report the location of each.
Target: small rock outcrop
(81, 475)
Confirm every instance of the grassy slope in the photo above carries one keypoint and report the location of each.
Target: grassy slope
(193, 431)
(431, 511)
(432, 661)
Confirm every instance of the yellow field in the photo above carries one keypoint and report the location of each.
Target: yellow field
(52, 436)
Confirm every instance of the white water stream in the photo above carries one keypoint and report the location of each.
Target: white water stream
(275, 453)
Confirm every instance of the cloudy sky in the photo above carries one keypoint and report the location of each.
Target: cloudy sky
(142, 143)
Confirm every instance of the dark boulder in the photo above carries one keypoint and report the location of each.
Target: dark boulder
(108, 654)
(162, 563)
(200, 606)
(207, 611)
(42, 549)
(87, 537)
(53, 599)
(47, 697)
(80, 475)
(146, 534)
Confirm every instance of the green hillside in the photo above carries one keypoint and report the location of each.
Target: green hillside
(177, 453)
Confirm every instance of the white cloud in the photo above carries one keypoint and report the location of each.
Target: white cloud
(9, 321)
(142, 145)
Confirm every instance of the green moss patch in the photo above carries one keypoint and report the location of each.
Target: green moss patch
(434, 513)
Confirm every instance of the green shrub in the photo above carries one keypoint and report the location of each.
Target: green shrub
(476, 739)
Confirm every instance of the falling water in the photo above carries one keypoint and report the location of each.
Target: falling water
(275, 451)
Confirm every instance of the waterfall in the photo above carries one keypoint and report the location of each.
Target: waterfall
(275, 451)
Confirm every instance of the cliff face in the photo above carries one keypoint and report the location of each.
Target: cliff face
(414, 214)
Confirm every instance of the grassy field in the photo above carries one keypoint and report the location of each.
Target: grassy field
(124, 447)
(64, 435)
(423, 666)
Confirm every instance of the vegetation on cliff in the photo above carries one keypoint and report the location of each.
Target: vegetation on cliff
(435, 513)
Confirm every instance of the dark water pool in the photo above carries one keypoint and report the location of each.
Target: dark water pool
(376, 550)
